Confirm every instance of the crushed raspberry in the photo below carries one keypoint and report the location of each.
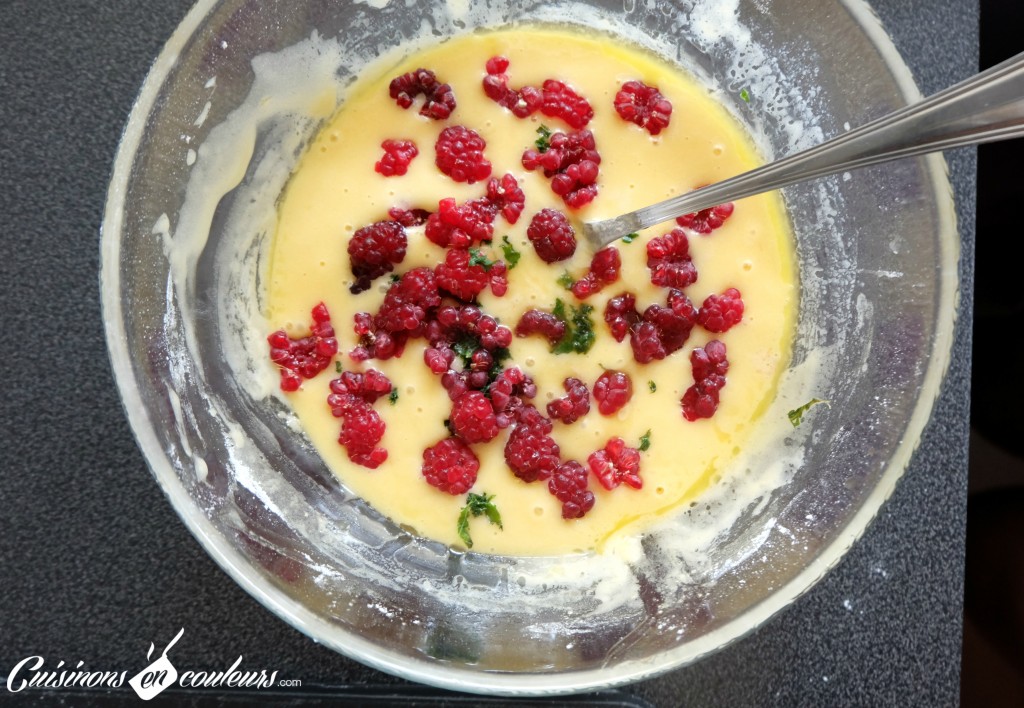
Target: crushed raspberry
(367, 386)
(569, 485)
(457, 277)
(460, 225)
(305, 357)
(409, 217)
(460, 154)
(668, 258)
(521, 102)
(558, 100)
(473, 418)
(574, 405)
(451, 466)
(507, 197)
(531, 453)
(706, 220)
(604, 269)
(407, 301)
(720, 312)
(616, 464)
(542, 323)
(620, 314)
(497, 279)
(644, 105)
(361, 429)
(510, 389)
(397, 156)
(439, 100)
(552, 235)
(374, 250)
(571, 163)
(664, 330)
(612, 391)
(709, 366)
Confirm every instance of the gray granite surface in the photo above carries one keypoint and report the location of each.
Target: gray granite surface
(94, 564)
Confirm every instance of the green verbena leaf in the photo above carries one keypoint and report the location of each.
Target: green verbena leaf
(477, 505)
(544, 141)
(653, 386)
(478, 257)
(645, 441)
(579, 328)
(393, 396)
(796, 416)
(511, 254)
(565, 280)
(745, 95)
(630, 238)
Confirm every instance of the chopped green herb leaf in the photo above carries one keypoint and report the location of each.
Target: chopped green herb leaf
(653, 386)
(579, 328)
(337, 367)
(464, 349)
(630, 238)
(544, 141)
(477, 505)
(395, 277)
(745, 95)
(478, 257)
(393, 396)
(565, 280)
(511, 254)
(796, 415)
(645, 441)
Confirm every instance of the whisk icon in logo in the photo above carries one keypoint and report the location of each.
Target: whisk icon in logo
(157, 676)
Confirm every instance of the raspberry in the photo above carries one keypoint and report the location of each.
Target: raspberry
(560, 101)
(521, 102)
(407, 301)
(473, 418)
(552, 235)
(439, 100)
(496, 65)
(706, 220)
(720, 312)
(460, 155)
(668, 258)
(507, 393)
(397, 156)
(451, 466)
(543, 323)
(507, 197)
(621, 315)
(460, 225)
(612, 391)
(409, 217)
(305, 357)
(709, 366)
(367, 387)
(644, 105)
(497, 278)
(531, 453)
(664, 330)
(457, 277)
(604, 269)
(361, 429)
(375, 250)
(616, 464)
(571, 163)
(573, 406)
(646, 343)
(569, 485)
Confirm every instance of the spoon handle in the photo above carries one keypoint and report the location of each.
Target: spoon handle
(985, 108)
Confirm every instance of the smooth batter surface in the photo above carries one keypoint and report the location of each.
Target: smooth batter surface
(335, 191)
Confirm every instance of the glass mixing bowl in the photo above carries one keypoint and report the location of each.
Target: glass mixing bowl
(221, 119)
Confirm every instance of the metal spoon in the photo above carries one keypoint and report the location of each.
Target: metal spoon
(985, 108)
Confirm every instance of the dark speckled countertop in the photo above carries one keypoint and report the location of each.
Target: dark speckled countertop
(94, 563)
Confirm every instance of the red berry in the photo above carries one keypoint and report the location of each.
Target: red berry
(507, 392)
(571, 162)
(507, 197)
(459, 225)
(531, 453)
(706, 220)
(361, 429)
(552, 235)
(558, 100)
(473, 418)
(409, 217)
(497, 65)
(644, 105)
(604, 269)
(439, 99)
(305, 357)
(367, 386)
(460, 154)
(521, 102)
(572, 406)
(663, 330)
(451, 466)
(612, 391)
(397, 156)
(375, 250)
(616, 464)
(668, 258)
(569, 485)
(720, 312)
(457, 277)
(709, 366)
(621, 315)
(543, 323)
